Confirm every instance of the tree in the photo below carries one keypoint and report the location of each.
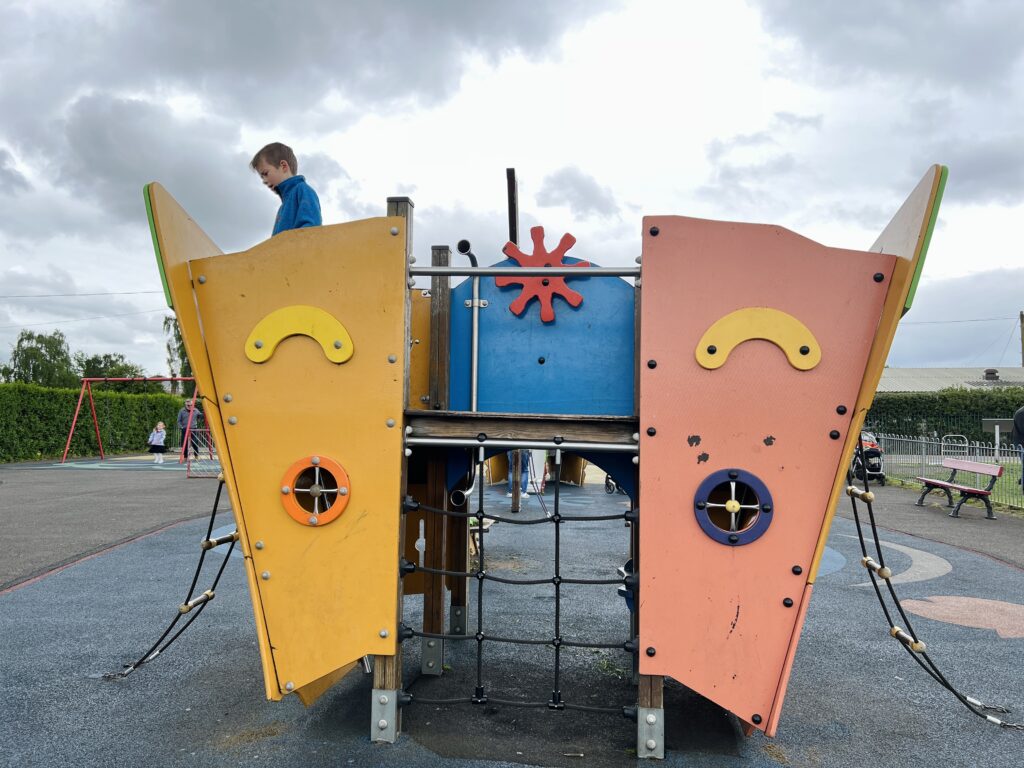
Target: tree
(43, 359)
(177, 359)
(114, 366)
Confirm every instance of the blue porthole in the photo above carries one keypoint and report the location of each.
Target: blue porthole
(733, 507)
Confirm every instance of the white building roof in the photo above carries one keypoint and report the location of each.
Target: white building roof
(934, 379)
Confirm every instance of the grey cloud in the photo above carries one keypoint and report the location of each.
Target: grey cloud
(718, 148)
(753, 187)
(974, 45)
(10, 178)
(581, 192)
(81, 90)
(923, 342)
(983, 169)
(757, 185)
(792, 120)
(115, 146)
(259, 61)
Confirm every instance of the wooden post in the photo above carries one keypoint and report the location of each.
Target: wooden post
(432, 655)
(387, 670)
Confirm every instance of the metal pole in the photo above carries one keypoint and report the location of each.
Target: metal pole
(509, 443)
(561, 271)
(74, 421)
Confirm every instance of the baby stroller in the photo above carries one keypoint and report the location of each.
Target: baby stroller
(872, 453)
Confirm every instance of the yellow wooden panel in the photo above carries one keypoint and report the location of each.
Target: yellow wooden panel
(419, 354)
(905, 236)
(328, 593)
(181, 240)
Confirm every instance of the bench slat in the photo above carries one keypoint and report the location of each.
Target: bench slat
(963, 465)
(954, 486)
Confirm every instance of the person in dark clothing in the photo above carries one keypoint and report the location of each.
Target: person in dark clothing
(189, 418)
(1017, 437)
(277, 168)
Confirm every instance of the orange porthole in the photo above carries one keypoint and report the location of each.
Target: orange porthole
(315, 490)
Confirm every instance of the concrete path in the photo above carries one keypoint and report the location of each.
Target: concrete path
(855, 698)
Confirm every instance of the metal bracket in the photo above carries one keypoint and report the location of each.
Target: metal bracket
(384, 716)
(480, 303)
(432, 656)
(457, 620)
(650, 732)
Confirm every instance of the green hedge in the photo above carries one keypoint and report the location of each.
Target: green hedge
(951, 411)
(34, 421)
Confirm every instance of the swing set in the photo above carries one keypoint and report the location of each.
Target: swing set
(87, 383)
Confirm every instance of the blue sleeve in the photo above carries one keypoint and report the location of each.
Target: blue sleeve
(308, 212)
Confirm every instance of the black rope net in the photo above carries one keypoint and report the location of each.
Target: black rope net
(908, 638)
(557, 641)
(193, 605)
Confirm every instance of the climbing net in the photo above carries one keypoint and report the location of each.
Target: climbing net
(881, 574)
(193, 604)
(557, 641)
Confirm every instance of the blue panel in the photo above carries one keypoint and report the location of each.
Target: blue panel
(587, 351)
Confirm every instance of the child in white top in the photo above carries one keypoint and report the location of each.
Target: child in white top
(156, 443)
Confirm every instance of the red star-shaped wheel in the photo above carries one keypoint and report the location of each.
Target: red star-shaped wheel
(542, 288)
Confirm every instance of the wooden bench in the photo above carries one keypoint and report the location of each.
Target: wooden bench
(475, 532)
(994, 472)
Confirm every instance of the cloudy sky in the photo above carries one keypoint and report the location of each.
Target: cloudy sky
(820, 117)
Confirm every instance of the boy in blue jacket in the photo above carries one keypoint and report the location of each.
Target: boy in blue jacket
(300, 207)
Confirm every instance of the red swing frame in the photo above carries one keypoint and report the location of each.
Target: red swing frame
(87, 383)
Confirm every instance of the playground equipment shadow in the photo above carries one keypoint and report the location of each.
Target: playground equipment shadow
(854, 697)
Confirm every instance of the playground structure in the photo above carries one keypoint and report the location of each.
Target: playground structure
(724, 391)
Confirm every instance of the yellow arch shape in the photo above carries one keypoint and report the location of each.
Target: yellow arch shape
(790, 335)
(299, 320)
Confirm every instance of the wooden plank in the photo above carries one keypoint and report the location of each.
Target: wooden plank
(440, 329)
(963, 465)
(651, 691)
(463, 424)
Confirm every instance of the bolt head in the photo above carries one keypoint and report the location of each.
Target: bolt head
(834, 434)
(343, 491)
(756, 719)
(430, 665)
(383, 699)
(636, 459)
(654, 231)
(652, 431)
(337, 344)
(431, 643)
(651, 651)
(788, 602)
(259, 544)
(313, 520)
(382, 724)
(383, 633)
(285, 490)
(651, 719)
(228, 398)
(289, 686)
(258, 344)
(202, 279)
(390, 423)
(651, 744)
(265, 575)
(314, 460)
(233, 420)
(394, 230)
(392, 359)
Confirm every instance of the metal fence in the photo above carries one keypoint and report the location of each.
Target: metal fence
(905, 458)
(201, 455)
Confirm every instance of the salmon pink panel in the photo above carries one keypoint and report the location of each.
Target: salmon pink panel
(738, 458)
